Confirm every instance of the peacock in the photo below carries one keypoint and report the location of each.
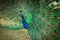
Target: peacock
(41, 16)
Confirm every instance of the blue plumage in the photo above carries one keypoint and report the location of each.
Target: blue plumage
(25, 24)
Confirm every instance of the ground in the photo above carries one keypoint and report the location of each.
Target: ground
(14, 34)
